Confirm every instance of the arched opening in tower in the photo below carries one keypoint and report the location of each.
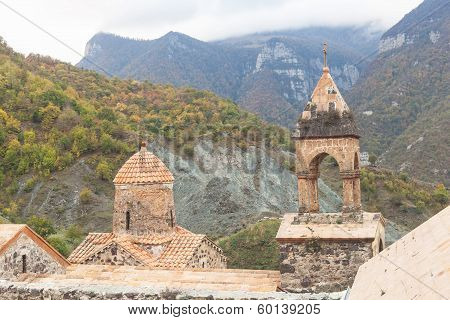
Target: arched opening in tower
(329, 182)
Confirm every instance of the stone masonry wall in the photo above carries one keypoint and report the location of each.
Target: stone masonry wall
(321, 266)
(37, 259)
(113, 255)
(151, 209)
(40, 291)
(208, 256)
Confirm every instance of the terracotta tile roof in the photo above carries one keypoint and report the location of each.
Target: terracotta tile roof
(9, 233)
(180, 248)
(416, 267)
(93, 243)
(143, 168)
(137, 252)
(181, 230)
(180, 251)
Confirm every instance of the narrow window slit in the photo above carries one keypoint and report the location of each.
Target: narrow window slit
(24, 263)
(127, 218)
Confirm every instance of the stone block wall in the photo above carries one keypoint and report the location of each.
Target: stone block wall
(37, 260)
(318, 265)
(113, 255)
(151, 209)
(208, 256)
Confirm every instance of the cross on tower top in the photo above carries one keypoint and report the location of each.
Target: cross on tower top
(324, 54)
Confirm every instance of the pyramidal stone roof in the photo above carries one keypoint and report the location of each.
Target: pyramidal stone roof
(143, 168)
(326, 114)
(326, 95)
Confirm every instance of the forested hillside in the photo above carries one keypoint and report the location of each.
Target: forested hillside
(402, 102)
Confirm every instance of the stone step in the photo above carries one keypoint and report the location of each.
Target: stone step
(205, 279)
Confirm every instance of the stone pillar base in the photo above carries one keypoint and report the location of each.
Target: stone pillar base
(322, 252)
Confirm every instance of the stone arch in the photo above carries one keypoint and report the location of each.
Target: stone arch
(314, 169)
(315, 162)
(310, 152)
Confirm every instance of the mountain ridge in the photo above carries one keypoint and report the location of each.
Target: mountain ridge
(239, 68)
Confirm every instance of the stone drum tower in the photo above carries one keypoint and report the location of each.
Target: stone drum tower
(143, 202)
(322, 251)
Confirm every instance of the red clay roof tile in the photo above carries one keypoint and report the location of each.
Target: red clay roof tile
(143, 168)
(180, 247)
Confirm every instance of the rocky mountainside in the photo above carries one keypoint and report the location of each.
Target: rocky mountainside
(402, 101)
(271, 74)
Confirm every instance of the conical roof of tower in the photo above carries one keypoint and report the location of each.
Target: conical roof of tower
(326, 95)
(143, 168)
(326, 114)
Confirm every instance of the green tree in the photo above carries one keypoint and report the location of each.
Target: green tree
(59, 243)
(440, 194)
(373, 159)
(29, 136)
(104, 170)
(41, 225)
(12, 155)
(86, 195)
(49, 114)
(73, 233)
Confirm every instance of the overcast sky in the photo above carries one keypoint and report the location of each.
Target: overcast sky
(74, 22)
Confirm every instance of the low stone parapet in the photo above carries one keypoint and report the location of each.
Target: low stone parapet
(59, 291)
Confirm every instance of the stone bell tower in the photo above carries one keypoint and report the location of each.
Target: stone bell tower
(321, 252)
(143, 201)
(326, 127)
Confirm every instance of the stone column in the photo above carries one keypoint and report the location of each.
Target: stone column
(347, 201)
(303, 201)
(347, 190)
(314, 195)
(308, 192)
(356, 193)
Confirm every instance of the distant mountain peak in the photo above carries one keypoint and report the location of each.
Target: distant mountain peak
(178, 37)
